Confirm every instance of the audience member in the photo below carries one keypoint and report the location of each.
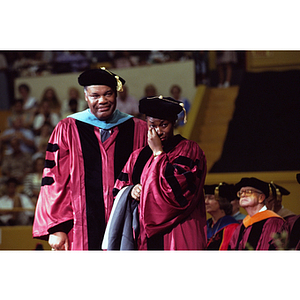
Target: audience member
(4, 83)
(224, 62)
(150, 90)
(158, 57)
(70, 61)
(175, 91)
(24, 135)
(124, 59)
(221, 225)
(77, 104)
(43, 137)
(30, 104)
(23, 63)
(99, 56)
(18, 111)
(50, 95)
(32, 181)
(259, 226)
(45, 116)
(12, 203)
(201, 66)
(41, 150)
(127, 103)
(17, 164)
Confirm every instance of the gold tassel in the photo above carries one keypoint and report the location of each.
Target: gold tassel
(119, 83)
(217, 191)
(278, 194)
(185, 118)
(270, 190)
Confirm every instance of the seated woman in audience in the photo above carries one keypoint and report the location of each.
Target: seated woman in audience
(221, 225)
(32, 181)
(51, 96)
(30, 104)
(68, 105)
(18, 111)
(45, 116)
(14, 200)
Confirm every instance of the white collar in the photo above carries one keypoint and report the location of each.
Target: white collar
(263, 208)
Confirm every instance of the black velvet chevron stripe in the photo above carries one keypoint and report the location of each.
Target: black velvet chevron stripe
(186, 161)
(123, 146)
(52, 147)
(123, 176)
(115, 192)
(49, 163)
(255, 233)
(142, 159)
(47, 181)
(95, 211)
(189, 178)
(174, 184)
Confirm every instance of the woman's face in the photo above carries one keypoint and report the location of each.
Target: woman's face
(164, 128)
(49, 94)
(211, 204)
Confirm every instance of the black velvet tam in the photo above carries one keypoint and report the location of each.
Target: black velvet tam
(281, 189)
(227, 191)
(255, 183)
(100, 77)
(165, 108)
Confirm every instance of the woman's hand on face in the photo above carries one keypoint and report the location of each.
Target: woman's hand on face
(154, 141)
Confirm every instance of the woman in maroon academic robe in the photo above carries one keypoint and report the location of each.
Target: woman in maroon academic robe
(167, 177)
(257, 230)
(221, 225)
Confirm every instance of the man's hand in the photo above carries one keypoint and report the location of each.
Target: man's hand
(136, 192)
(59, 241)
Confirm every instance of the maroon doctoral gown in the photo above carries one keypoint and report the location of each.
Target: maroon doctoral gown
(255, 233)
(79, 175)
(171, 210)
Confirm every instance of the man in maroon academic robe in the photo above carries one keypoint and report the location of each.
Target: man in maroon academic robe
(167, 178)
(294, 228)
(85, 154)
(258, 227)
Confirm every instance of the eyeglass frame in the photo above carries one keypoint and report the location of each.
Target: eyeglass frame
(248, 192)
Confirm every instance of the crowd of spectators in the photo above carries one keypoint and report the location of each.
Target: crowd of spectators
(16, 64)
(23, 145)
(35, 63)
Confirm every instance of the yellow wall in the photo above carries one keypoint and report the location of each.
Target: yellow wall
(163, 76)
(258, 61)
(19, 238)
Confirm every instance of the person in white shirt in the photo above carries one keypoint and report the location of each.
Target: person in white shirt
(11, 200)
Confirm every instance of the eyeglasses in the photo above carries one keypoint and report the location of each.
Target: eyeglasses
(247, 192)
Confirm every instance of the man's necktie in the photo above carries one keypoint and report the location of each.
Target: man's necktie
(104, 135)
